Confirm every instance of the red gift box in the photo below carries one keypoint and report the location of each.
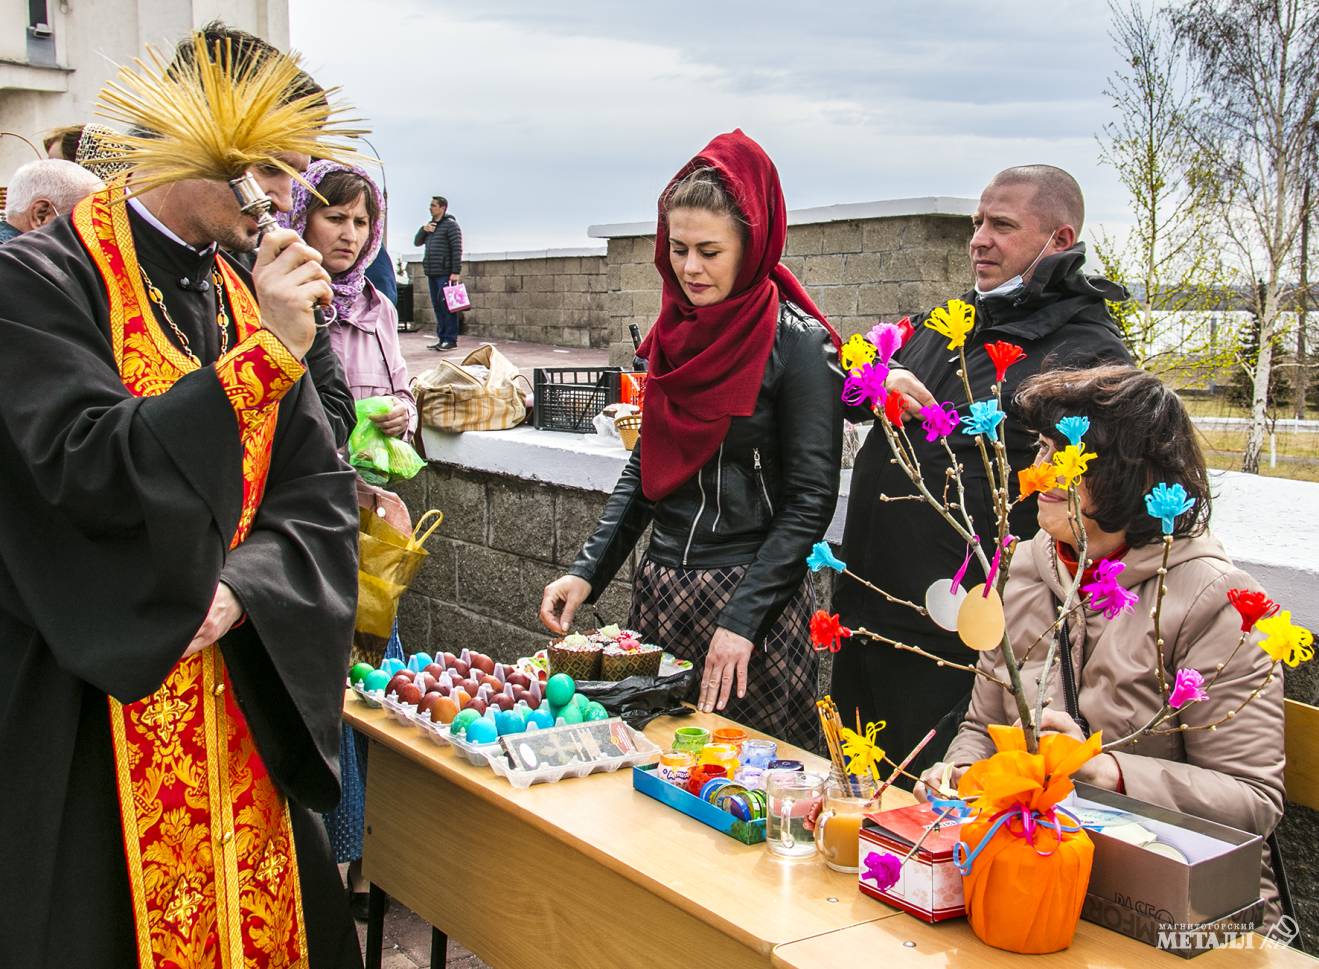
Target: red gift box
(930, 886)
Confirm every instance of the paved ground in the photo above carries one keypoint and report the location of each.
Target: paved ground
(527, 356)
(408, 943)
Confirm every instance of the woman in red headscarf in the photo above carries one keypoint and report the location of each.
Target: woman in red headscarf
(737, 467)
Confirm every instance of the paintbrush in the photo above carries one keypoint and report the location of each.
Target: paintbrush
(897, 771)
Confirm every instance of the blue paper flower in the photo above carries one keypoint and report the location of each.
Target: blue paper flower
(1166, 502)
(1073, 428)
(822, 557)
(983, 419)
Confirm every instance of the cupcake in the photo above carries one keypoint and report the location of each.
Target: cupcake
(577, 656)
(629, 656)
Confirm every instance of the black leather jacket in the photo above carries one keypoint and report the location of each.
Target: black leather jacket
(762, 501)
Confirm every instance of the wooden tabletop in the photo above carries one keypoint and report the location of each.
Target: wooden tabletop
(744, 891)
(903, 942)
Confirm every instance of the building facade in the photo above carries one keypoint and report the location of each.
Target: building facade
(56, 55)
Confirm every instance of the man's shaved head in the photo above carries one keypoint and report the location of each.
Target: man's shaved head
(1057, 200)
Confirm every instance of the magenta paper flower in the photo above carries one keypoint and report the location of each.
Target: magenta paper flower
(939, 420)
(865, 386)
(882, 869)
(887, 338)
(1106, 595)
(1187, 688)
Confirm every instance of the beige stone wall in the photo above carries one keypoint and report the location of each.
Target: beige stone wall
(557, 300)
(858, 272)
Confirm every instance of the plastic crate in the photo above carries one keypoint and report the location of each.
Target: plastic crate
(569, 398)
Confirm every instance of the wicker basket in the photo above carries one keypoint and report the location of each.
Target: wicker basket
(629, 429)
(619, 666)
(580, 664)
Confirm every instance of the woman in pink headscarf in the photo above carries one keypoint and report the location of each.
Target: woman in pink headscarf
(347, 228)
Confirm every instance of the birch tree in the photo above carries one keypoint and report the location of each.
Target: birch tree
(1255, 63)
(1169, 260)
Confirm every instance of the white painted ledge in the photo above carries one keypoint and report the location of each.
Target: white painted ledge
(848, 212)
(1270, 526)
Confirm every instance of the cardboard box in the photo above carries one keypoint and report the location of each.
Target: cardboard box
(1146, 896)
(929, 887)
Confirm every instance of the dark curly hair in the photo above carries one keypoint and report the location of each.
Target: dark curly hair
(1142, 434)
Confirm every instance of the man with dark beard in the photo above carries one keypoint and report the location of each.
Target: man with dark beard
(177, 583)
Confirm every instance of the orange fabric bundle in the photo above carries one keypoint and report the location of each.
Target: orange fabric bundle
(1026, 873)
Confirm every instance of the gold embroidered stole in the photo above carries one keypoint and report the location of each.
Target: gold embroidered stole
(207, 835)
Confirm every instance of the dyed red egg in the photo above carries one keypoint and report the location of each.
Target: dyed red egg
(397, 684)
(483, 662)
(409, 694)
(477, 704)
(459, 667)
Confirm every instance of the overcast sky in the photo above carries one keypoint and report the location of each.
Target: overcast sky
(537, 120)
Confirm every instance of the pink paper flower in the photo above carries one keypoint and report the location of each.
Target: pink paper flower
(939, 420)
(1106, 595)
(1187, 688)
(882, 869)
(865, 386)
(887, 338)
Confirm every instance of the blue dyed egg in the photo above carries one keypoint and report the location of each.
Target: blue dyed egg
(540, 718)
(391, 666)
(482, 731)
(509, 722)
(376, 680)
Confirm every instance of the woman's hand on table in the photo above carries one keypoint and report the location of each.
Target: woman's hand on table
(725, 661)
(559, 603)
(1101, 771)
(395, 422)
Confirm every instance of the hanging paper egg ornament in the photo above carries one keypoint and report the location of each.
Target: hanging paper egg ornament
(980, 619)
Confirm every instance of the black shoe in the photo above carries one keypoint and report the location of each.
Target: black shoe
(434, 346)
(359, 903)
(448, 346)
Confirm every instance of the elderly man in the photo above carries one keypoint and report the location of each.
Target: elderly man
(1029, 290)
(42, 191)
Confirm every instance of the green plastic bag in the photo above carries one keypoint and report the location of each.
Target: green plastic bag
(379, 458)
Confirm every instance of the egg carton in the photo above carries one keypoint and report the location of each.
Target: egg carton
(375, 700)
(403, 713)
(549, 774)
(478, 755)
(437, 732)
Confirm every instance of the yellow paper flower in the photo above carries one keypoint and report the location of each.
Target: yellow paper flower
(1284, 641)
(953, 322)
(1039, 477)
(1071, 462)
(856, 353)
(862, 753)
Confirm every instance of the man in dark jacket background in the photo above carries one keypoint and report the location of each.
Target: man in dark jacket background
(1029, 290)
(442, 263)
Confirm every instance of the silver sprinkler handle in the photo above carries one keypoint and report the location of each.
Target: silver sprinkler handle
(253, 201)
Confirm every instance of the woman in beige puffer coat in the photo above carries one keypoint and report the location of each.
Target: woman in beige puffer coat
(1142, 435)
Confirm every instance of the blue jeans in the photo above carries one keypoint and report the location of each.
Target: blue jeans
(446, 323)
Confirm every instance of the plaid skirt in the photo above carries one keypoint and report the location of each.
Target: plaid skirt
(679, 609)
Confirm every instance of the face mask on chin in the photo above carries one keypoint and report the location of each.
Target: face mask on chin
(1010, 287)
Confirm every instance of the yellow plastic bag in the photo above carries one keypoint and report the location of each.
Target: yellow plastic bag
(388, 561)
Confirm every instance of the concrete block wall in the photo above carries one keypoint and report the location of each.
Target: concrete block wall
(540, 297)
(503, 539)
(858, 270)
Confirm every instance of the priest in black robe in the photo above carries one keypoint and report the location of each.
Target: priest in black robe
(118, 515)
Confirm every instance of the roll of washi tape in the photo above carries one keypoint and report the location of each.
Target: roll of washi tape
(711, 787)
(786, 765)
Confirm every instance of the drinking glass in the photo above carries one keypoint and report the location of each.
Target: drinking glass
(794, 797)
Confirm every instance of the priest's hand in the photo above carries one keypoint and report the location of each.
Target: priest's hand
(395, 422)
(725, 660)
(559, 603)
(915, 392)
(224, 612)
(289, 281)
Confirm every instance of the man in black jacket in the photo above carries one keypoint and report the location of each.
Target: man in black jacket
(1029, 290)
(442, 263)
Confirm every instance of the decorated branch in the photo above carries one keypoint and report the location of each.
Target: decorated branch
(977, 614)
